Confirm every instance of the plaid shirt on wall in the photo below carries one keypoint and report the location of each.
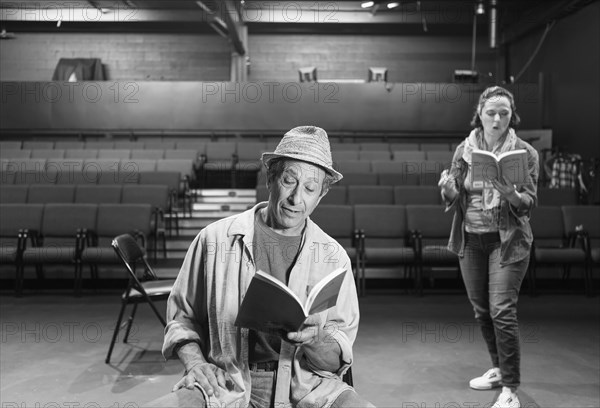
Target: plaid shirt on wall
(565, 173)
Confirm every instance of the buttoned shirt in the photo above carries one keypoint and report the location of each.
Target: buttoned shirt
(207, 295)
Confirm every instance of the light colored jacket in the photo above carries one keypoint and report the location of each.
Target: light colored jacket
(515, 232)
(208, 293)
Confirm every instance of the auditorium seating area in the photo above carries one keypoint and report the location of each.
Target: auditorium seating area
(387, 211)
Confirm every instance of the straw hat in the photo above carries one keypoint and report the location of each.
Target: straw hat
(308, 144)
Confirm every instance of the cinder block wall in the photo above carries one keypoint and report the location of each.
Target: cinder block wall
(126, 56)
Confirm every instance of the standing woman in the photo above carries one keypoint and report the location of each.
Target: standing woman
(492, 237)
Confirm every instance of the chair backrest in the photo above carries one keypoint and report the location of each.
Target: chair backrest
(184, 167)
(128, 144)
(408, 155)
(354, 166)
(69, 144)
(198, 147)
(417, 195)
(47, 154)
(6, 177)
(10, 145)
(557, 196)
(147, 154)
(116, 154)
(434, 146)
(586, 216)
(431, 220)
(97, 194)
(383, 225)
(14, 217)
(81, 153)
(220, 151)
(181, 154)
(63, 220)
(117, 219)
(342, 155)
(387, 167)
(15, 153)
(159, 144)
(359, 179)
(47, 193)
(37, 144)
(375, 146)
(129, 250)
(337, 221)
(169, 178)
(155, 195)
(547, 226)
(370, 195)
(131, 169)
(404, 146)
(374, 155)
(337, 195)
(250, 151)
(13, 194)
(99, 144)
(444, 156)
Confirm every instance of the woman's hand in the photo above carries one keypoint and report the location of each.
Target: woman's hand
(447, 184)
(207, 375)
(507, 190)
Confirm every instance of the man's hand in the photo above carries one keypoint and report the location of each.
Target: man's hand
(319, 346)
(197, 369)
(207, 375)
(309, 332)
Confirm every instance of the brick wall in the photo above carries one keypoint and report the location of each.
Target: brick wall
(408, 58)
(126, 56)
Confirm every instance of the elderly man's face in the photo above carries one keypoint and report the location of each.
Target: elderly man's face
(293, 195)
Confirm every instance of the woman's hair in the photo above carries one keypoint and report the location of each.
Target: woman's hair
(276, 166)
(495, 92)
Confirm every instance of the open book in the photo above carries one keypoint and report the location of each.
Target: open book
(270, 306)
(486, 166)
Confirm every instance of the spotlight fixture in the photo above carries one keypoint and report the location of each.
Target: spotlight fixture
(393, 4)
(308, 74)
(378, 74)
(367, 4)
(479, 9)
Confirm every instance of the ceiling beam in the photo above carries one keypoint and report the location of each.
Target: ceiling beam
(230, 15)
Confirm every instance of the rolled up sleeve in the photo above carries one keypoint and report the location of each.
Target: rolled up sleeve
(186, 310)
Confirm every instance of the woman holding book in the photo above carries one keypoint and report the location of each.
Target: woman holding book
(491, 234)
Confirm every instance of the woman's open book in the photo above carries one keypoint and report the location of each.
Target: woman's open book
(486, 166)
(269, 305)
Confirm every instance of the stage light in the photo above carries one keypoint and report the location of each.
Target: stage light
(479, 10)
(393, 5)
(367, 4)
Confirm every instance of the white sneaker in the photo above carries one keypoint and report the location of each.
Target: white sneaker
(507, 399)
(489, 380)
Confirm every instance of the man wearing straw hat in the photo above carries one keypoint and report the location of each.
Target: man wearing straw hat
(226, 365)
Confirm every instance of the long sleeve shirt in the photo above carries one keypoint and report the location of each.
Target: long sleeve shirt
(208, 293)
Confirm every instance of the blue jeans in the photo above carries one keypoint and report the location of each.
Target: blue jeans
(493, 290)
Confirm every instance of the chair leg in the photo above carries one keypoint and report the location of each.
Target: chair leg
(115, 333)
(130, 323)
(77, 281)
(19, 276)
(420, 279)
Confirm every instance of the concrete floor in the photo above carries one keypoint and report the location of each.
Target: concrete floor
(411, 352)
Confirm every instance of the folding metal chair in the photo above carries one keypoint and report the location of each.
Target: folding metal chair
(147, 290)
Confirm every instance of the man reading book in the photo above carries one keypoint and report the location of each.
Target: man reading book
(229, 365)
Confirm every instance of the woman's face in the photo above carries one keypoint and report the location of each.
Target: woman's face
(495, 116)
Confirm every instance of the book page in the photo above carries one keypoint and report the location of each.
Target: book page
(325, 293)
(484, 169)
(514, 166)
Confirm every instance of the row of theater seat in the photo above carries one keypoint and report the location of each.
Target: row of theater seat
(67, 234)
(210, 155)
(415, 236)
(203, 145)
(402, 194)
